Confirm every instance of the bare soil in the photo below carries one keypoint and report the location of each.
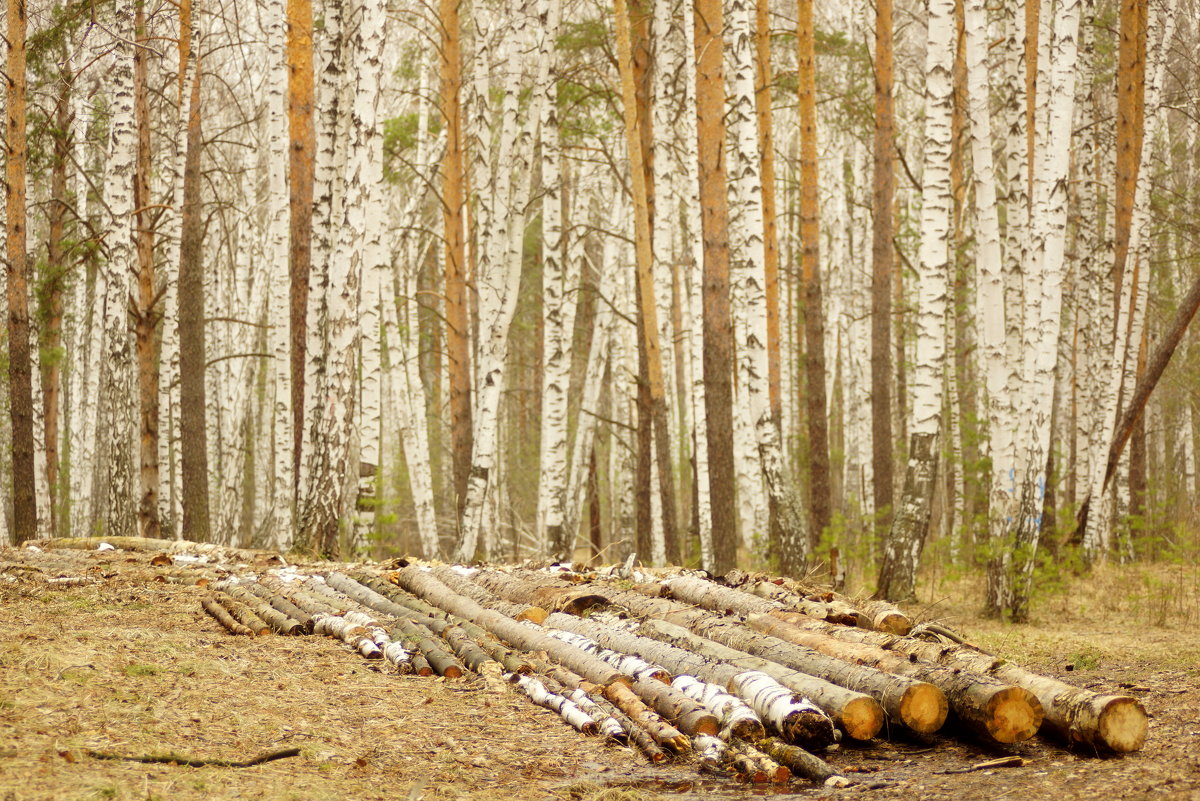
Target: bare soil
(125, 665)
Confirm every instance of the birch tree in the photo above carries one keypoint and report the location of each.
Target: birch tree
(902, 553)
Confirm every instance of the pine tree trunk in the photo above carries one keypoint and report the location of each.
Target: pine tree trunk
(146, 315)
(718, 359)
(883, 259)
(192, 425)
(20, 379)
(820, 493)
(302, 156)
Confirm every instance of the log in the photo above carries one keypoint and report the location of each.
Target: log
(1113, 723)
(818, 610)
(802, 763)
(737, 719)
(857, 714)
(799, 721)
(624, 699)
(885, 617)
(990, 707)
(355, 635)
(765, 766)
(632, 665)
(279, 622)
(915, 704)
(362, 594)
(224, 618)
(431, 648)
(566, 709)
(688, 715)
(464, 586)
(520, 635)
(399, 596)
(282, 604)
(244, 615)
(572, 600)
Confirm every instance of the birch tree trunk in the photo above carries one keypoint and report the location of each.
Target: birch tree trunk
(897, 575)
(753, 362)
(282, 489)
(558, 312)
(115, 490)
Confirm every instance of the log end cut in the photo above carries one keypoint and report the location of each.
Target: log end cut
(892, 622)
(1013, 714)
(534, 614)
(923, 708)
(1122, 723)
(862, 718)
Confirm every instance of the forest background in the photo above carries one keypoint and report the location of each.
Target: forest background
(810, 286)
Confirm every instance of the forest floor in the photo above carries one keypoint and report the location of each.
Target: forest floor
(130, 666)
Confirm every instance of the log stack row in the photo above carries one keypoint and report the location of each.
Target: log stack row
(755, 677)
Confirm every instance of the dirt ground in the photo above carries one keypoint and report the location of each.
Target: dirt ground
(129, 666)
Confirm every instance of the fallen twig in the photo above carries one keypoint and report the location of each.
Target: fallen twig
(175, 759)
(1002, 762)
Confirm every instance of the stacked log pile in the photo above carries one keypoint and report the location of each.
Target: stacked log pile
(755, 677)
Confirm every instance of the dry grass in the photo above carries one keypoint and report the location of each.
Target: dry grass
(134, 667)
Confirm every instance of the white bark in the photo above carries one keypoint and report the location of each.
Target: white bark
(1131, 308)
(282, 486)
(559, 283)
(115, 464)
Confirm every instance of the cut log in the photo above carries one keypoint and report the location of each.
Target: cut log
(626, 663)
(624, 699)
(223, 617)
(736, 717)
(283, 605)
(689, 716)
(565, 708)
(244, 615)
(818, 610)
(987, 705)
(279, 622)
(520, 635)
(572, 600)
(356, 636)
(484, 597)
(798, 720)
(766, 766)
(725, 600)
(399, 596)
(362, 594)
(422, 639)
(885, 617)
(857, 714)
(802, 763)
(1115, 723)
(916, 704)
